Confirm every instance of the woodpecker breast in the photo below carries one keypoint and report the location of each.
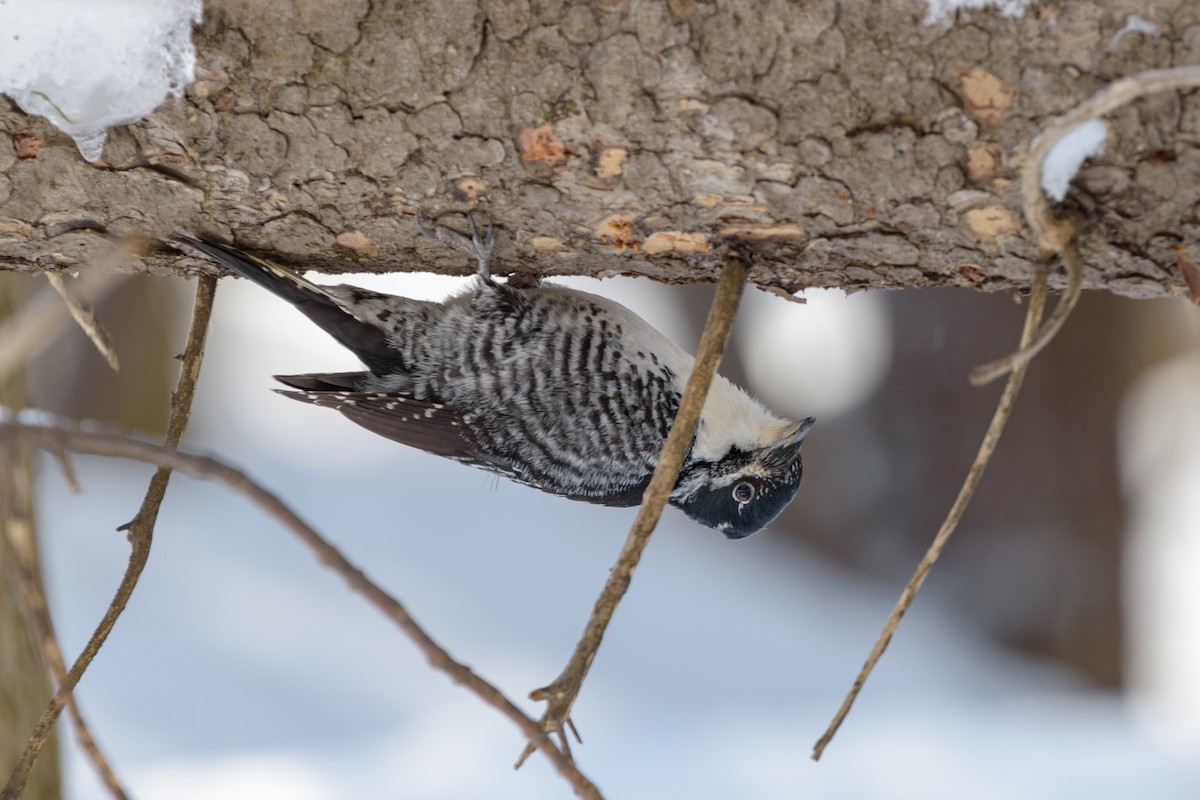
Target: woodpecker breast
(558, 389)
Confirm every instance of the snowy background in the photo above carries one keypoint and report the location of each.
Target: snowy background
(243, 670)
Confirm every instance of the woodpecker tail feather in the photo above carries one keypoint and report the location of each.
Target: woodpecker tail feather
(367, 341)
(324, 381)
(276, 278)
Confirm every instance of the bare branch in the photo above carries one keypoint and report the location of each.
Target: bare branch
(203, 467)
(1190, 273)
(140, 535)
(560, 695)
(985, 374)
(17, 479)
(81, 311)
(1008, 397)
(33, 327)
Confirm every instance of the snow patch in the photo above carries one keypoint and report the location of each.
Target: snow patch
(942, 10)
(1068, 155)
(88, 66)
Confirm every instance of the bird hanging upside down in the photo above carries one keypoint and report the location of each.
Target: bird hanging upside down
(558, 389)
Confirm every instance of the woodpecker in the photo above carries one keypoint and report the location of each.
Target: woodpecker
(551, 387)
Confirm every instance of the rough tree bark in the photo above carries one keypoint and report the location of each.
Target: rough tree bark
(844, 144)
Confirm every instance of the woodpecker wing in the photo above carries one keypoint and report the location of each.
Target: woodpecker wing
(618, 498)
(324, 381)
(436, 428)
(433, 427)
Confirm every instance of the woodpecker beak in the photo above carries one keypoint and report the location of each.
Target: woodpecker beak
(787, 447)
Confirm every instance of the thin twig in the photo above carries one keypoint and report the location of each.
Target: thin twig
(1189, 271)
(560, 695)
(1052, 234)
(203, 467)
(81, 311)
(140, 535)
(1037, 303)
(33, 327)
(985, 374)
(22, 549)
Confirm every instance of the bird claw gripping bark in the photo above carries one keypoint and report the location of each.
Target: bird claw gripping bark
(478, 247)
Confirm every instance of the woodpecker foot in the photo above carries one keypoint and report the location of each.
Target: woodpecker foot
(478, 247)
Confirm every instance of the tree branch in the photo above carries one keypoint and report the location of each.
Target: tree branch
(203, 467)
(1037, 302)
(141, 531)
(16, 478)
(640, 142)
(560, 695)
(33, 327)
(81, 311)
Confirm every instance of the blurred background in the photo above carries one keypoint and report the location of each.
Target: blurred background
(1052, 652)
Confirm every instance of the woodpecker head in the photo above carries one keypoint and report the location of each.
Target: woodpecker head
(745, 489)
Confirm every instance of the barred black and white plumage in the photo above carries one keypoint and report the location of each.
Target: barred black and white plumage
(555, 388)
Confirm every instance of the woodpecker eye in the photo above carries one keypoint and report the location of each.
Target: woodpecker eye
(743, 492)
